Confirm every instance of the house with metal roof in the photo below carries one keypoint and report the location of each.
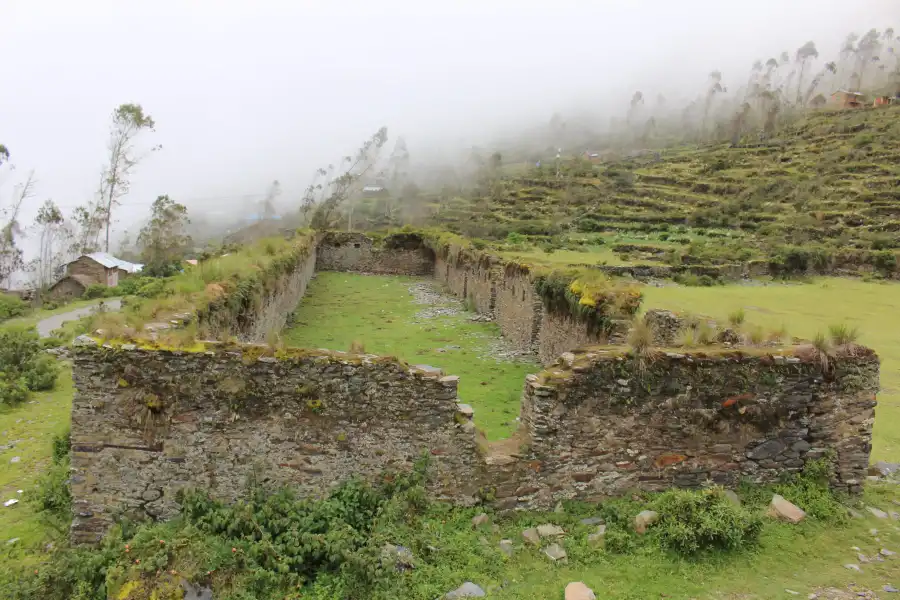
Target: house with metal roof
(97, 268)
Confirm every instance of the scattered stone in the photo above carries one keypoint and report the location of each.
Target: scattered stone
(873, 531)
(853, 567)
(400, 556)
(555, 553)
(15, 459)
(877, 512)
(531, 536)
(466, 590)
(884, 469)
(732, 497)
(644, 520)
(479, 520)
(890, 589)
(886, 552)
(549, 531)
(785, 510)
(862, 558)
(506, 546)
(791, 592)
(591, 521)
(11, 541)
(578, 591)
(559, 509)
(855, 514)
(597, 536)
(10, 502)
(195, 592)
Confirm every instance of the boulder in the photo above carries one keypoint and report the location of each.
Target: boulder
(884, 469)
(550, 531)
(645, 519)
(466, 590)
(555, 553)
(506, 546)
(597, 536)
(531, 536)
(784, 510)
(578, 591)
(479, 520)
(877, 512)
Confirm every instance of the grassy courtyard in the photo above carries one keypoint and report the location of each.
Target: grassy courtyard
(382, 314)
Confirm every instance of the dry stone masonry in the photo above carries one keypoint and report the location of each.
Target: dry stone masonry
(597, 422)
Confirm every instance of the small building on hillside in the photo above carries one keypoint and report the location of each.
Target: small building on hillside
(886, 100)
(847, 99)
(98, 268)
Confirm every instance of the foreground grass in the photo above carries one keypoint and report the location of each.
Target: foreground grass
(379, 312)
(31, 426)
(804, 310)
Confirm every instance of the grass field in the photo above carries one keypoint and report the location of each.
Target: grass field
(31, 426)
(380, 313)
(40, 314)
(804, 309)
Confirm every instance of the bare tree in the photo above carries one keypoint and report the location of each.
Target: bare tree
(341, 187)
(804, 53)
(128, 121)
(10, 230)
(52, 233)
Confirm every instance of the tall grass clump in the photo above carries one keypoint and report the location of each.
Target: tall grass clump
(640, 337)
(842, 334)
(736, 317)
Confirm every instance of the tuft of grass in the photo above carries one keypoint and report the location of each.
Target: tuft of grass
(706, 333)
(842, 334)
(640, 337)
(779, 335)
(736, 318)
(357, 347)
(687, 338)
(821, 343)
(756, 335)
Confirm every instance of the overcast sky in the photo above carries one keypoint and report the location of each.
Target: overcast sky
(246, 92)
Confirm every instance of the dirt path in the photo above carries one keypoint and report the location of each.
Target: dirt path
(47, 325)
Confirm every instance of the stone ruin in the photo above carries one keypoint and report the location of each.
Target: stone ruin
(599, 421)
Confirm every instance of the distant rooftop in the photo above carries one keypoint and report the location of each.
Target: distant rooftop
(109, 261)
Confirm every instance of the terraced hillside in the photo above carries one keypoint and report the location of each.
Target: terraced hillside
(829, 183)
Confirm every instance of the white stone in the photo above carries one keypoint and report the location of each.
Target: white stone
(578, 591)
(645, 519)
(877, 512)
(555, 553)
(784, 510)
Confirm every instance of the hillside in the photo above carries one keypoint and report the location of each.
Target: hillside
(828, 182)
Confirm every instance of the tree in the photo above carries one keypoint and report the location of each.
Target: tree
(4, 154)
(10, 253)
(53, 231)
(163, 241)
(268, 204)
(128, 121)
(866, 50)
(804, 53)
(341, 187)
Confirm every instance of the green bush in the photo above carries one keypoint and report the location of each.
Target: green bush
(692, 522)
(95, 290)
(11, 306)
(151, 288)
(23, 365)
(884, 261)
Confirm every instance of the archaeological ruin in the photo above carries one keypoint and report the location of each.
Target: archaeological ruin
(601, 419)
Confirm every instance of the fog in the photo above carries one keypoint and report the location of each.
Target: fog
(244, 93)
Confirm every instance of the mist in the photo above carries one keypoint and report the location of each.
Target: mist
(246, 93)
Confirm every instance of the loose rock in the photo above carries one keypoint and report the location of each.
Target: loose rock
(549, 531)
(853, 567)
(466, 590)
(644, 520)
(785, 510)
(578, 591)
(592, 521)
(506, 546)
(555, 553)
(886, 552)
(531, 536)
(877, 512)
(479, 520)
(598, 536)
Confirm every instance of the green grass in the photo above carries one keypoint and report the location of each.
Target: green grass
(806, 309)
(32, 425)
(593, 255)
(379, 312)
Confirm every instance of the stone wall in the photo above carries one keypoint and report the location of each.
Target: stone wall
(147, 423)
(518, 309)
(599, 424)
(273, 310)
(399, 255)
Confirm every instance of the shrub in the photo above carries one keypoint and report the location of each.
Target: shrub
(756, 335)
(11, 306)
(640, 337)
(23, 365)
(51, 494)
(842, 334)
(95, 290)
(706, 333)
(884, 261)
(698, 521)
(151, 288)
(736, 318)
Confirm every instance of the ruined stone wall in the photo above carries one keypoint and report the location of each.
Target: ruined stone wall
(272, 311)
(518, 309)
(358, 252)
(147, 423)
(599, 424)
(560, 333)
